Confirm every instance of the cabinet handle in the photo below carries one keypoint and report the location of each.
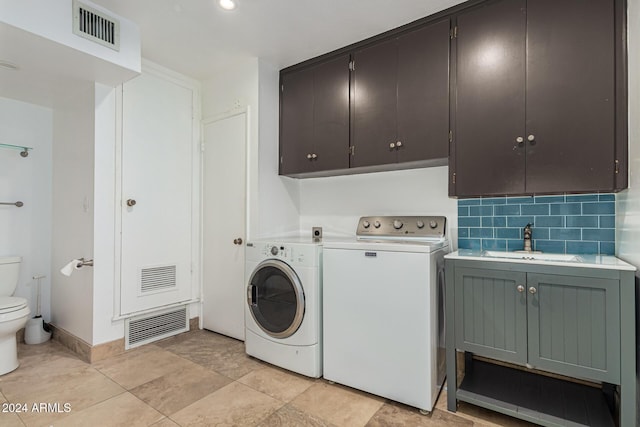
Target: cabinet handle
(314, 156)
(130, 202)
(532, 290)
(237, 241)
(399, 144)
(392, 145)
(309, 156)
(532, 139)
(520, 288)
(519, 140)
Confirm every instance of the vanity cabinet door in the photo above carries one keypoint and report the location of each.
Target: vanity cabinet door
(574, 326)
(491, 313)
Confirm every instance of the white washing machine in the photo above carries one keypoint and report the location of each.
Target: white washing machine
(383, 309)
(283, 310)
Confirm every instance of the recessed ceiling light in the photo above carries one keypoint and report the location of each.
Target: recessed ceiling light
(227, 4)
(8, 65)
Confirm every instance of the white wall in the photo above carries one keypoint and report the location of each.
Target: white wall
(26, 231)
(73, 211)
(53, 20)
(336, 203)
(252, 84)
(104, 219)
(628, 201)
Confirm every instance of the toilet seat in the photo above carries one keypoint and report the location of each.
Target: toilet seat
(11, 304)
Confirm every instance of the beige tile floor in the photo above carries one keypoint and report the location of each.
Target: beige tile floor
(197, 379)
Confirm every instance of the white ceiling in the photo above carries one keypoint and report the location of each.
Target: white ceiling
(198, 38)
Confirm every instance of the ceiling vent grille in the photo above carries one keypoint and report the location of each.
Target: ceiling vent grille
(155, 279)
(155, 326)
(96, 26)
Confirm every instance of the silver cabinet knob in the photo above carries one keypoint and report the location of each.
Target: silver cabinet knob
(399, 144)
(314, 156)
(131, 202)
(531, 138)
(532, 290)
(309, 156)
(392, 145)
(520, 288)
(519, 140)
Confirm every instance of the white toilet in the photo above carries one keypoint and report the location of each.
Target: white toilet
(14, 313)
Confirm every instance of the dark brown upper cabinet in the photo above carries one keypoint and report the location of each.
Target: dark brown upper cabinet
(400, 98)
(538, 98)
(314, 118)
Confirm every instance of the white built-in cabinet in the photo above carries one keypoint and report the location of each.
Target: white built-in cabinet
(157, 194)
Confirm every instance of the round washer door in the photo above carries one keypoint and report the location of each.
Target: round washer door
(276, 298)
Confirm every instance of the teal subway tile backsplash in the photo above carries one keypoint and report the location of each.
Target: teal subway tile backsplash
(572, 223)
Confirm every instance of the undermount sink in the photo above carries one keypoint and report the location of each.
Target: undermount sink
(538, 256)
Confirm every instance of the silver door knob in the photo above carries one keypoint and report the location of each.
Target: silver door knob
(520, 288)
(532, 290)
(399, 144)
(237, 241)
(531, 138)
(131, 202)
(392, 145)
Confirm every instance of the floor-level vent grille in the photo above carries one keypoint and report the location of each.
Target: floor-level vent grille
(157, 278)
(96, 26)
(151, 327)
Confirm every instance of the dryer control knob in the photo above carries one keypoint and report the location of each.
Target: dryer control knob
(366, 224)
(274, 250)
(420, 224)
(376, 224)
(397, 224)
(433, 224)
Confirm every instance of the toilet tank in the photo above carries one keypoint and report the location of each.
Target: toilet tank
(9, 271)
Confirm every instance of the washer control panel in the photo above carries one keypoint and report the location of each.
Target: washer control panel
(402, 227)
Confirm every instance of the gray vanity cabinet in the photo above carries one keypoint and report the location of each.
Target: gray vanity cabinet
(571, 321)
(569, 325)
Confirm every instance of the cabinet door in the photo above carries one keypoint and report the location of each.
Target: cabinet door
(570, 95)
(491, 313)
(374, 98)
(331, 115)
(423, 93)
(296, 121)
(574, 326)
(490, 100)
(314, 118)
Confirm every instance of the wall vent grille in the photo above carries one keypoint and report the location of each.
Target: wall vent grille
(157, 278)
(155, 326)
(96, 26)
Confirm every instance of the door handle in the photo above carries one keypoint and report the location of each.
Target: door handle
(131, 202)
(252, 295)
(237, 241)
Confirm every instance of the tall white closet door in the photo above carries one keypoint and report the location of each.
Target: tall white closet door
(224, 213)
(157, 140)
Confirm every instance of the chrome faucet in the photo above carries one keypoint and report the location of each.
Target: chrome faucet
(527, 237)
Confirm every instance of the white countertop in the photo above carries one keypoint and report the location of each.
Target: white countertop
(586, 261)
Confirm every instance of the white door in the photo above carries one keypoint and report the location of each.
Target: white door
(157, 141)
(224, 224)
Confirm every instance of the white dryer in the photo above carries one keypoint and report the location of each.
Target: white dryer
(283, 310)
